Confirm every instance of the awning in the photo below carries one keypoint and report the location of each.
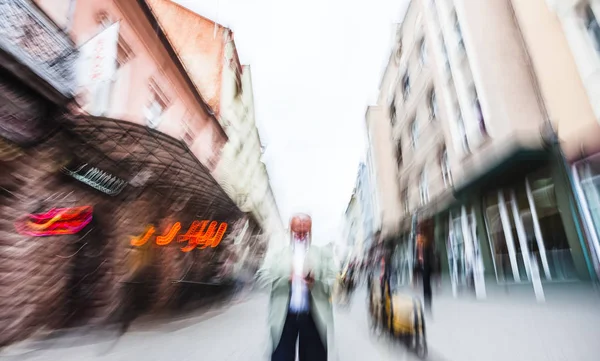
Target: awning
(146, 158)
(439, 204)
(517, 162)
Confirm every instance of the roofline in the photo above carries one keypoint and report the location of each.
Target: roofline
(352, 197)
(193, 13)
(235, 52)
(274, 198)
(147, 9)
(196, 14)
(398, 27)
(251, 86)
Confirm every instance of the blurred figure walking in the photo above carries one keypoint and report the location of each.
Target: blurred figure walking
(301, 278)
(437, 269)
(425, 265)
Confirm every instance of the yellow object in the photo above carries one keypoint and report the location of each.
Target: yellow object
(404, 315)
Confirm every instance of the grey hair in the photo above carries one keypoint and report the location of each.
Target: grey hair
(302, 215)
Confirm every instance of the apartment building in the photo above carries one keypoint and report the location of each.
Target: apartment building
(480, 92)
(364, 192)
(382, 161)
(353, 233)
(575, 58)
(209, 52)
(104, 132)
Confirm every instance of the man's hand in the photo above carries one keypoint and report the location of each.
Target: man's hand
(310, 280)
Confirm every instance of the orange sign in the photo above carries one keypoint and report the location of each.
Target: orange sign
(57, 221)
(200, 234)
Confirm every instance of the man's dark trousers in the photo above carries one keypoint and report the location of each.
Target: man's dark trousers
(300, 327)
(427, 288)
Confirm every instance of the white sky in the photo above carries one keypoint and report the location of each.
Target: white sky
(316, 65)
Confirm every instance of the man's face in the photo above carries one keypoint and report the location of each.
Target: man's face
(300, 226)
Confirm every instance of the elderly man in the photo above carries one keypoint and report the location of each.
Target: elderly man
(301, 277)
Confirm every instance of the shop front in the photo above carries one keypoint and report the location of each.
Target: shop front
(586, 176)
(513, 227)
(172, 207)
(36, 86)
(524, 225)
(99, 205)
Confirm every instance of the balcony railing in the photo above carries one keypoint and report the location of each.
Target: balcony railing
(33, 40)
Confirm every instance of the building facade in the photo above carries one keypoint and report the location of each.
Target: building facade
(576, 26)
(384, 164)
(209, 53)
(364, 192)
(107, 152)
(37, 82)
(481, 132)
(353, 233)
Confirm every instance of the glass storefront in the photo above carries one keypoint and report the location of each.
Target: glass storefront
(402, 261)
(456, 250)
(463, 246)
(524, 225)
(587, 182)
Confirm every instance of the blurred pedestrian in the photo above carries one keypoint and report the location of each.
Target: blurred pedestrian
(301, 277)
(437, 269)
(419, 265)
(426, 262)
(384, 281)
(134, 285)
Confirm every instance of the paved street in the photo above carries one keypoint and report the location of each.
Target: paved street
(504, 328)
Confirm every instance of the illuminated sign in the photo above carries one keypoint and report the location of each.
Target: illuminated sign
(57, 221)
(201, 234)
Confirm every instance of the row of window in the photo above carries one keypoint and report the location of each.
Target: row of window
(158, 102)
(444, 165)
(592, 26)
(475, 106)
(414, 124)
(422, 61)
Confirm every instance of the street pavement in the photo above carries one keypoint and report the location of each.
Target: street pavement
(504, 327)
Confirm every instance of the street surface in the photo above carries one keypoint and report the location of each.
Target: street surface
(504, 328)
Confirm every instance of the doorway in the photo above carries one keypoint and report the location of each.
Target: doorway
(524, 225)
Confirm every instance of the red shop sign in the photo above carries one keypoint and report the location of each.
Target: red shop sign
(201, 234)
(57, 221)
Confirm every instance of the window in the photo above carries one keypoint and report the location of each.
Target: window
(124, 53)
(445, 54)
(414, 132)
(405, 201)
(458, 32)
(399, 51)
(423, 188)
(119, 82)
(155, 107)
(478, 112)
(445, 166)
(405, 86)
(188, 138)
(103, 20)
(587, 178)
(591, 25)
(423, 52)
(153, 112)
(188, 134)
(399, 153)
(238, 80)
(462, 133)
(433, 107)
(393, 112)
